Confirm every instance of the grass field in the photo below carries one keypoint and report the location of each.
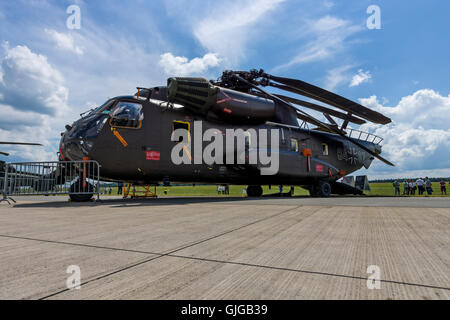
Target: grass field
(377, 189)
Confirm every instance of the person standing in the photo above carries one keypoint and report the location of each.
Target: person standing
(396, 185)
(443, 188)
(405, 188)
(412, 187)
(420, 186)
(428, 186)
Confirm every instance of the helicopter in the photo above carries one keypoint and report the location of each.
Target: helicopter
(133, 137)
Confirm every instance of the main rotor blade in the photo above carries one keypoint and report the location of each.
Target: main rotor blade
(330, 119)
(328, 97)
(4, 153)
(21, 143)
(323, 109)
(313, 120)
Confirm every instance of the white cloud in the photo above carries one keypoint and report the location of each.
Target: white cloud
(337, 76)
(227, 27)
(64, 41)
(34, 100)
(181, 66)
(328, 38)
(425, 108)
(418, 137)
(360, 77)
(18, 119)
(116, 58)
(31, 83)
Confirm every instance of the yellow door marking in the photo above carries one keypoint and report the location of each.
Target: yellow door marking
(118, 136)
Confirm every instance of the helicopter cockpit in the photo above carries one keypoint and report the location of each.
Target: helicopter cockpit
(79, 137)
(127, 115)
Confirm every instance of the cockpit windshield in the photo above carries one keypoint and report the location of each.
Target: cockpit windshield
(127, 115)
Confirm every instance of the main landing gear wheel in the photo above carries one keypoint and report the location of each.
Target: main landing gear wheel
(76, 189)
(322, 190)
(254, 191)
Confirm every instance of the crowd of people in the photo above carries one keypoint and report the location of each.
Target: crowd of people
(223, 189)
(410, 187)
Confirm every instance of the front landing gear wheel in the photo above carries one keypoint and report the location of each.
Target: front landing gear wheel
(78, 193)
(254, 191)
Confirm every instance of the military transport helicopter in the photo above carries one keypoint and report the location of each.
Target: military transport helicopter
(132, 137)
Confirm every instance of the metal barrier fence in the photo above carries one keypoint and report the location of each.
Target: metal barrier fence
(51, 178)
(364, 136)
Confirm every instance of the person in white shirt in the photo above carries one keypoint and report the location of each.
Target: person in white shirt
(420, 186)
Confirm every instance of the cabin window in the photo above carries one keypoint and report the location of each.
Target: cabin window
(181, 125)
(127, 115)
(294, 145)
(324, 149)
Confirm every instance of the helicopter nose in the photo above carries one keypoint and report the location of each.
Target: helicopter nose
(71, 148)
(78, 140)
(73, 145)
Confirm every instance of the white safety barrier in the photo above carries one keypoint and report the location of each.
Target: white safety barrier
(50, 178)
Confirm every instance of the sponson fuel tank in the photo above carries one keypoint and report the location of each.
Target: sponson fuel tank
(200, 96)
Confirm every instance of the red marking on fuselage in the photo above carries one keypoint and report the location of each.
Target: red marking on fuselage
(153, 155)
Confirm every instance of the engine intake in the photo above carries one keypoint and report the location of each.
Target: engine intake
(200, 96)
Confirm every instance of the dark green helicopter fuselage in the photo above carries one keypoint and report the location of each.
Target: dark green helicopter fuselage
(141, 154)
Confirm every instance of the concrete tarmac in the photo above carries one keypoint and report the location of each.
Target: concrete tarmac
(233, 248)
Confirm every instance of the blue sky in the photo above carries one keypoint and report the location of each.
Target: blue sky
(49, 73)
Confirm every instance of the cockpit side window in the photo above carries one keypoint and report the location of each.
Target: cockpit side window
(127, 115)
(105, 108)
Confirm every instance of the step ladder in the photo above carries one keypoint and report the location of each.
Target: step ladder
(136, 192)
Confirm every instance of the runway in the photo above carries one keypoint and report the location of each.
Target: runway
(233, 248)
